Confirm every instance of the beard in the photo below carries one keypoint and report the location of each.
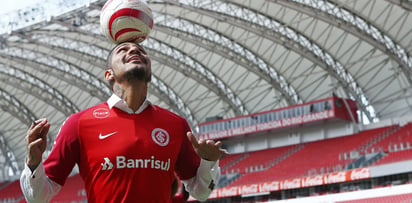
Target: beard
(135, 74)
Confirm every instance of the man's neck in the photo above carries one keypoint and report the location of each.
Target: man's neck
(134, 95)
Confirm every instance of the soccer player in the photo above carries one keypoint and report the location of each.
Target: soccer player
(127, 149)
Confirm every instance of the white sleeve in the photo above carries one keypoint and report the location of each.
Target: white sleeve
(203, 183)
(36, 186)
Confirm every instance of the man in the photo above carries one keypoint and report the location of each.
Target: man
(127, 149)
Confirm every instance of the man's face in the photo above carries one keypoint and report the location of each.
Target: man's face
(129, 62)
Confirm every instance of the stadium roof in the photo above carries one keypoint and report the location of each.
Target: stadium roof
(209, 58)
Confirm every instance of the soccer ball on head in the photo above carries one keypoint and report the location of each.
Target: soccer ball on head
(126, 20)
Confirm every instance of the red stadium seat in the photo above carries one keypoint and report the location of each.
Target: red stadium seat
(313, 158)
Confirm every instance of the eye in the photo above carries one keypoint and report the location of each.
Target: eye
(142, 52)
(121, 49)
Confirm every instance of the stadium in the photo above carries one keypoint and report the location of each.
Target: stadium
(311, 98)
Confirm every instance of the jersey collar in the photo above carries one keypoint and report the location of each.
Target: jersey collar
(116, 101)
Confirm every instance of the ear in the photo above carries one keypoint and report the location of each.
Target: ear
(149, 70)
(108, 75)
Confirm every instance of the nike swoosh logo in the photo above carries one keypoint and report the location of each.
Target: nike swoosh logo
(107, 135)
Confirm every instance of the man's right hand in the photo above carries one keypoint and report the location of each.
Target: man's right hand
(36, 142)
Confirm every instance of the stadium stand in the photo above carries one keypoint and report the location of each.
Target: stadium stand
(391, 194)
(311, 158)
(228, 161)
(258, 160)
(395, 157)
(11, 192)
(399, 140)
(73, 191)
(405, 198)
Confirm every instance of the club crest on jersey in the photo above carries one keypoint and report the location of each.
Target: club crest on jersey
(101, 113)
(160, 136)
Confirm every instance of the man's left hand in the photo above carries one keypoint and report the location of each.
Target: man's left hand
(207, 149)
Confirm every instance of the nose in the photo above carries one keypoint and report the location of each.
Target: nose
(133, 50)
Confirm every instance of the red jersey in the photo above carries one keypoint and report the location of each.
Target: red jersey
(124, 157)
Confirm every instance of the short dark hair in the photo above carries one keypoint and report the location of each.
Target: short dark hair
(109, 58)
(109, 64)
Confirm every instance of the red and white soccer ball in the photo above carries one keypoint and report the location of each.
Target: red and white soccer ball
(126, 20)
